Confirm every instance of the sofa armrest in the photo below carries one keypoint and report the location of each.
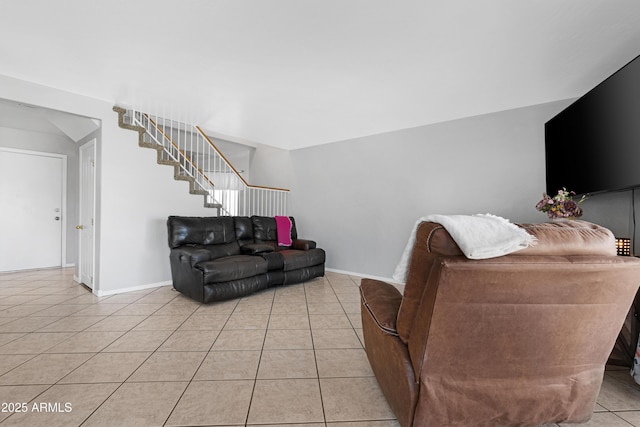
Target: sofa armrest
(191, 255)
(256, 249)
(382, 301)
(302, 244)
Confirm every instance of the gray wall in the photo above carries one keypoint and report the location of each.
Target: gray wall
(48, 143)
(614, 211)
(360, 198)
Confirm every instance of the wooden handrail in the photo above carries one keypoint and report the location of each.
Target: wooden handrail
(204, 135)
(187, 158)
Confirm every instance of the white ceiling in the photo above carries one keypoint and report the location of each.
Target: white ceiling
(295, 73)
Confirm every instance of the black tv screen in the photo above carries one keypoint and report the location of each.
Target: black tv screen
(594, 144)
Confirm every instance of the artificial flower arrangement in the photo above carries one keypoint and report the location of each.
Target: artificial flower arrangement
(561, 205)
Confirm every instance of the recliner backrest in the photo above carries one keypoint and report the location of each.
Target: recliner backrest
(200, 230)
(433, 242)
(521, 337)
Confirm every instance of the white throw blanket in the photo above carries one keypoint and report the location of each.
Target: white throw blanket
(478, 236)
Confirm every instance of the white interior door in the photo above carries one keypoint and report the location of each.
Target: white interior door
(87, 213)
(31, 214)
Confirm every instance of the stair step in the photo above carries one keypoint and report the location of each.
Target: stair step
(182, 177)
(167, 155)
(168, 163)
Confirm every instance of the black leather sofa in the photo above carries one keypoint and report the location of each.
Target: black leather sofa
(219, 258)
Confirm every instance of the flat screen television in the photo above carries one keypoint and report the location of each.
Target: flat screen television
(593, 145)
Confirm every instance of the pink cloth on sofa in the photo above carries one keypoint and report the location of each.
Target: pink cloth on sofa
(283, 228)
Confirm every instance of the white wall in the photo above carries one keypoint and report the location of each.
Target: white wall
(134, 198)
(48, 143)
(360, 198)
(238, 155)
(137, 197)
(272, 167)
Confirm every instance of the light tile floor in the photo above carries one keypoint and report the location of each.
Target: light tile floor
(286, 356)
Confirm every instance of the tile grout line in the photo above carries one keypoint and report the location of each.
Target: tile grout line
(315, 355)
(264, 340)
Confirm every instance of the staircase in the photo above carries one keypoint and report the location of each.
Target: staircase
(198, 161)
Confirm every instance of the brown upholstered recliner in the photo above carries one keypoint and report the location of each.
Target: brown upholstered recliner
(522, 339)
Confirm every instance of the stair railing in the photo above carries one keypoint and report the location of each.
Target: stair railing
(202, 162)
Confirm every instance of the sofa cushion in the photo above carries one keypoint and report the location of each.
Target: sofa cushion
(232, 267)
(244, 229)
(294, 259)
(200, 230)
(264, 228)
(223, 250)
(275, 260)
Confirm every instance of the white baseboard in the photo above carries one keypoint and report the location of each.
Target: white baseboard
(134, 288)
(366, 276)
(169, 282)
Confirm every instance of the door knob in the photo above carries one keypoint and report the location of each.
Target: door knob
(79, 227)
